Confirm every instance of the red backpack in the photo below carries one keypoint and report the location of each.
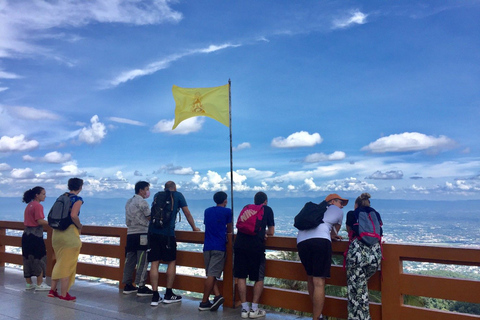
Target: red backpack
(250, 219)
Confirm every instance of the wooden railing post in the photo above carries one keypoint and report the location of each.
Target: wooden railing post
(2, 247)
(228, 284)
(123, 244)
(392, 268)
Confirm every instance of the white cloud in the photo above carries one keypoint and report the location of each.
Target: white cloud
(355, 17)
(343, 185)
(241, 146)
(4, 166)
(171, 169)
(93, 134)
(126, 121)
(163, 64)
(185, 127)
(8, 75)
(3, 89)
(256, 174)
(409, 141)
(17, 143)
(26, 173)
(28, 113)
(319, 157)
(389, 175)
(18, 19)
(28, 158)
(297, 139)
(57, 157)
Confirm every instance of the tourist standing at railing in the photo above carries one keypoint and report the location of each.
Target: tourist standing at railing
(218, 222)
(34, 252)
(362, 261)
(137, 218)
(66, 246)
(315, 251)
(249, 259)
(163, 247)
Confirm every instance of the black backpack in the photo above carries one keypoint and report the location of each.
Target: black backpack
(59, 216)
(310, 216)
(162, 209)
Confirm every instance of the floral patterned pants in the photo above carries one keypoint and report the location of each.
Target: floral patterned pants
(362, 263)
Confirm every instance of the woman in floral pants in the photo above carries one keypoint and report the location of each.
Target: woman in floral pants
(362, 262)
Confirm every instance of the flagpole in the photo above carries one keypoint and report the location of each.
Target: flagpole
(231, 153)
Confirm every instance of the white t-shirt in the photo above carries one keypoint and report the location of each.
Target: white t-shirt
(333, 215)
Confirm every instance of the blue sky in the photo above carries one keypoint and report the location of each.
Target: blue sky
(327, 96)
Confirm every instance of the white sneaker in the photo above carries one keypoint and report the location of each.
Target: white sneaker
(245, 314)
(257, 313)
(42, 287)
(30, 286)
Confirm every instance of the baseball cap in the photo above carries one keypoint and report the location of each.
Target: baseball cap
(336, 196)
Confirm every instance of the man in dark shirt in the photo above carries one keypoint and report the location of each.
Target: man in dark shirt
(249, 259)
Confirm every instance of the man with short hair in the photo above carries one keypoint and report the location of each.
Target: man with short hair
(249, 259)
(137, 218)
(218, 222)
(315, 250)
(163, 246)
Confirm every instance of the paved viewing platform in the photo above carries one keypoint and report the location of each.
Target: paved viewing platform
(98, 301)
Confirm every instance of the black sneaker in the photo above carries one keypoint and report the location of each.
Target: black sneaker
(144, 291)
(155, 299)
(217, 302)
(173, 298)
(128, 289)
(204, 306)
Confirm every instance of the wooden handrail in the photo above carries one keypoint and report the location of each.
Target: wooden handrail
(392, 281)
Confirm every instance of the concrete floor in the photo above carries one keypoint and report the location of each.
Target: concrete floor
(98, 301)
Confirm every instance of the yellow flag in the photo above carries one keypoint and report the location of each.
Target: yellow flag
(209, 102)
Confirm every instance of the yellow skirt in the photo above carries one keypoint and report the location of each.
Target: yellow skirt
(66, 245)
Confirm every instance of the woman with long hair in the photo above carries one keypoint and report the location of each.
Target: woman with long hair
(66, 245)
(362, 259)
(34, 252)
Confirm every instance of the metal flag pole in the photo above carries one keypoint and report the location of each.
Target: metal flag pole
(231, 153)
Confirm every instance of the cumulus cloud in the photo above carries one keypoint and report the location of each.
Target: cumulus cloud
(354, 17)
(126, 121)
(137, 173)
(28, 158)
(28, 113)
(319, 157)
(17, 143)
(344, 185)
(241, 146)
(185, 127)
(409, 141)
(4, 166)
(297, 139)
(388, 175)
(93, 134)
(26, 173)
(57, 157)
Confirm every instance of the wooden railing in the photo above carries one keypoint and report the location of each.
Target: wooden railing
(392, 282)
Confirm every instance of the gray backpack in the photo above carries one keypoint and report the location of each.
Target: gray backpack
(59, 216)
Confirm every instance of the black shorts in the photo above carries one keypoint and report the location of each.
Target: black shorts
(248, 263)
(316, 256)
(161, 248)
